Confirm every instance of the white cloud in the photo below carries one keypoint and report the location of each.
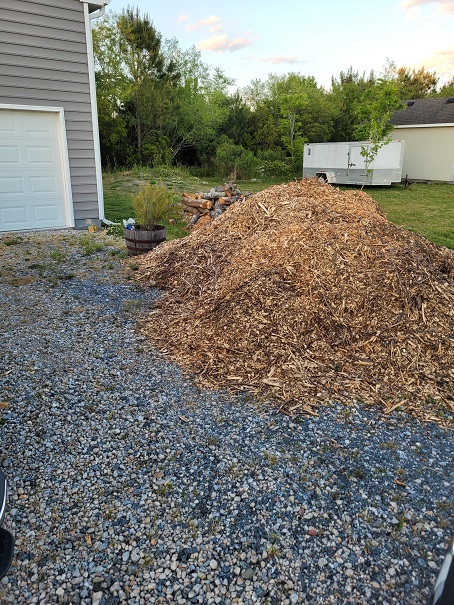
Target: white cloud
(279, 59)
(443, 6)
(442, 62)
(210, 21)
(183, 18)
(223, 43)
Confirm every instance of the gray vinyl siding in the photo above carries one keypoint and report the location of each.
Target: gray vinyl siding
(44, 62)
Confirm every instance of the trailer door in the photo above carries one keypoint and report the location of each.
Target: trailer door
(355, 160)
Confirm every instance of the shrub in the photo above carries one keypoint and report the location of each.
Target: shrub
(277, 168)
(152, 205)
(247, 165)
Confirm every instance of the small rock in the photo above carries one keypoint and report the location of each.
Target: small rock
(247, 574)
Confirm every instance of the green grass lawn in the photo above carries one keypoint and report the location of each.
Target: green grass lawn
(119, 186)
(425, 209)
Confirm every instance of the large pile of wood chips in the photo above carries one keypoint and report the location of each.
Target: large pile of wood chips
(305, 293)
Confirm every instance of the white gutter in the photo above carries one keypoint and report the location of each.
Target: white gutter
(423, 125)
(94, 105)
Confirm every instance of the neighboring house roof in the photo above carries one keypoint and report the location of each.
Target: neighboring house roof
(425, 111)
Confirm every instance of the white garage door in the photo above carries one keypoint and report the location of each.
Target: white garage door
(32, 184)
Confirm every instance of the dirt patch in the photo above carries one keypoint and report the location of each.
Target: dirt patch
(304, 293)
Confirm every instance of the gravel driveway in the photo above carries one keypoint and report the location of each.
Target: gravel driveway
(130, 485)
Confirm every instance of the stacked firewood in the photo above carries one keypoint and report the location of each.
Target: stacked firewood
(212, 204)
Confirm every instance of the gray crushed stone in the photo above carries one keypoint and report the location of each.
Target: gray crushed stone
(130, 485)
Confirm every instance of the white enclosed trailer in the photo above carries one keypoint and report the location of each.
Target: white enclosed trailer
(342, 163)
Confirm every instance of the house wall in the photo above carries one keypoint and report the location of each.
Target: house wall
(43, 62)
(429, 152)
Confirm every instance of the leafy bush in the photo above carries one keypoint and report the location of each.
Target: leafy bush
(247, 165)
(227, 155)
(276, 168)
(271, 155)
(152, 205)
(235, 160)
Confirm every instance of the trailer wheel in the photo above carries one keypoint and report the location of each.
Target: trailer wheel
(322, 178)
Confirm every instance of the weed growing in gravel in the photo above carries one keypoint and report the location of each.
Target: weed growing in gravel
(118, 252)
(214, 526)
(57, 256)
(11, 240)
(175, 514)
(213, 440)
(90, 245)
(148, 561)
(271, 458)
(273, 551)
(165, 488)
(194, 527)
(233, 471)
(388, 445)
(401, 521)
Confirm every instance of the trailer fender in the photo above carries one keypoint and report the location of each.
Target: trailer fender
(326, 176)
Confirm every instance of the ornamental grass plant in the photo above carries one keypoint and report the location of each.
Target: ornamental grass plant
(153, 204)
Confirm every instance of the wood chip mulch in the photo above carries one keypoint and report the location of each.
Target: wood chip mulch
(305, 293)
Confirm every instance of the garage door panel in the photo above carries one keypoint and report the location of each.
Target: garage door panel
(44, 184)
(32, 185)
(47, 214)
(15, 216)
(41, 155)
(40, 123)
(9, 154)
(11, 186)
(8, 124)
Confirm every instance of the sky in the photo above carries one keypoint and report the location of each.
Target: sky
(250, 39)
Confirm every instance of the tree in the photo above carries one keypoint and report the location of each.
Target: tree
(305, 112)
(447, 90)
(416, 84)
(112, 89)
(140, 45)
(345, 98)
(375, 112)
(265, 134)
(200, 104)
(237, 125)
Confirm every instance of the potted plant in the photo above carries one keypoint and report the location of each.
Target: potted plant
(153, 204)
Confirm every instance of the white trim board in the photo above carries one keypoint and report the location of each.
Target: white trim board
(94, 111)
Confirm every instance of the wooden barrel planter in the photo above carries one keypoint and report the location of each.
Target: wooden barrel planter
(141, 241)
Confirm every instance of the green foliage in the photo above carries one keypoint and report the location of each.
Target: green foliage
(153, 204)
(277, 168)
(159, 104)
(233, 161)
(378, 104)
(247, 165)
(447, 90)
(345, 98)
(90, 245)
(227, 154)
(415, 84)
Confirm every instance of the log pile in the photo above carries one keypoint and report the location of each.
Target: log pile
(201, 208)
(306, 293)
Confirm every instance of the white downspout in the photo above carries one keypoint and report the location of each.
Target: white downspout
(94, 107)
